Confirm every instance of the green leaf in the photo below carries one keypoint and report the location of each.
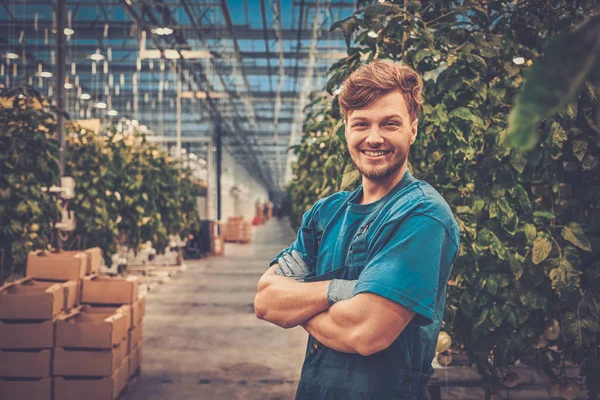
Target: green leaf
(530, 233)
(492, 285)
(542, 247)
(574, 234)
(482, 318)
(543, 214)
(564, 277)
(422, 54)
(488, 239)
(498, 191)
(518, 161)
(496, 316)
(476, 62)
(589, 163)
(519, 194)
(463, 210)
(566, 63)
(532, 300)
(350, 176)
(580, 147)
(465, 114)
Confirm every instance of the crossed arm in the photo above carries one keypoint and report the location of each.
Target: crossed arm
(364, 324)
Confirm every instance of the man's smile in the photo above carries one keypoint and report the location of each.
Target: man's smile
(375, 154)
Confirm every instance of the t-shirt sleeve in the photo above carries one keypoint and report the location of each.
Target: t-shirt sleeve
(305, 240)
(410, 267)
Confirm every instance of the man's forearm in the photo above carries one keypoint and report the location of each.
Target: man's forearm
(335, 328)
(288, 303)
(349, 326)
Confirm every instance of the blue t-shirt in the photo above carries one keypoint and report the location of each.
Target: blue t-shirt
(400, 247)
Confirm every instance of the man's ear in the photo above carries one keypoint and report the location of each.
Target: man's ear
(413, 131)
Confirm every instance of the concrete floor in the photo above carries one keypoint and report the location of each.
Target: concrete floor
(202, 340)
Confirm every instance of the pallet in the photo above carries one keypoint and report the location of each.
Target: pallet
(238, 241)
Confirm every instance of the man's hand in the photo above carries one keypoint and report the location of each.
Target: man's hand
(340, 289)
(292, 266)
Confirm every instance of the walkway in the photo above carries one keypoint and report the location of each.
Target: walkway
(202, 340)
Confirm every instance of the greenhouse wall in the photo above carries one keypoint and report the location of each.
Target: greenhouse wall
(239, 191)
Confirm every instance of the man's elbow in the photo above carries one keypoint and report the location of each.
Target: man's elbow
(261, 311)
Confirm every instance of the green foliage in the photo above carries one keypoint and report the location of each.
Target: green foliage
(567, 63)
(28, 150)
(323, 166)
(529, 222)
(127, 190)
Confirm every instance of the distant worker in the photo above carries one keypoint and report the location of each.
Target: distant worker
(367, 275)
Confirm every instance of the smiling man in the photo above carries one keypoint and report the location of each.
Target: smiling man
(366, 276)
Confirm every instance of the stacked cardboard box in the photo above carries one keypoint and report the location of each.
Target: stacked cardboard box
(113, 294)
(28, 310)
(90, 357)
(91, 350)
(237, 230)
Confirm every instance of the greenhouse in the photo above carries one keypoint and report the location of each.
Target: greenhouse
(299, 199)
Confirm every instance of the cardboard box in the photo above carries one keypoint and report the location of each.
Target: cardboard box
(92, 330)
(125, 309)
(63, 266)
(105, 290)
(138, 310)
(94, 260)
(135, 337)
(26, 335)
(78, 362)
(107, 388)
(135, 360)
(30, 299)
(72, 294)
(30, 389)
(25, 364)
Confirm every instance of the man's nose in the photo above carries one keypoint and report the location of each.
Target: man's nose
(374, 139)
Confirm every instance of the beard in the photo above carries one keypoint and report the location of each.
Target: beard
(384, 171)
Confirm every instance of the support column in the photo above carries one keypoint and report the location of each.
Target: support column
(219, 145)
(178, 144)
(61, 16)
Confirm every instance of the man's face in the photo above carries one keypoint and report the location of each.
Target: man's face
(379, 138)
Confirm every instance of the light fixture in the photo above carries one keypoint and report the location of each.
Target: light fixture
(12, 56)
(519, 60)
(44, 74)
(96, 57)
(183, 151)
(85, 96)
(162, 31)
(372, 34)
(68, 31)
(101, 105)
(68, 85)
(112, 113)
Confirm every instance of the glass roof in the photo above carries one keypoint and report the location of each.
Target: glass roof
(236, 61)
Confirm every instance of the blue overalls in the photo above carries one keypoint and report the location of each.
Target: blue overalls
(337, 232)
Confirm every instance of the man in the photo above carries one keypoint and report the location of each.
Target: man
(367, 274)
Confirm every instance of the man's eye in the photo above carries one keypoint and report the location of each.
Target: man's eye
(392, 123)
(359, 124)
